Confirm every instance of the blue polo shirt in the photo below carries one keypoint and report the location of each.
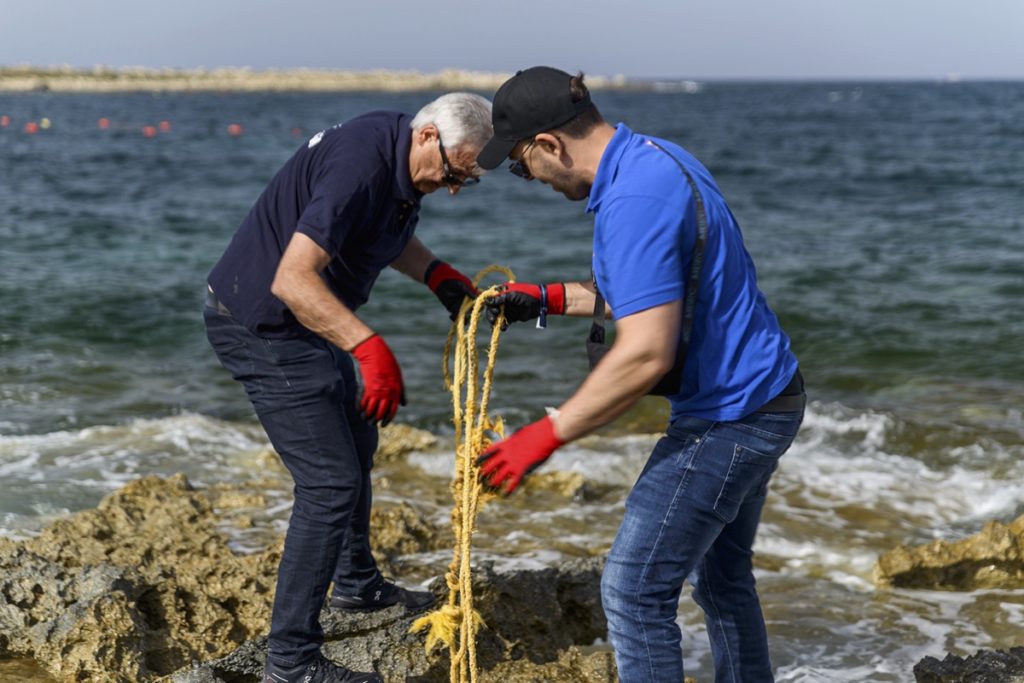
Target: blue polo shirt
(349, 190)
(644, 233)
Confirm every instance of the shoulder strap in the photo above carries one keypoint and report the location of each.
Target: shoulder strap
(597, 331)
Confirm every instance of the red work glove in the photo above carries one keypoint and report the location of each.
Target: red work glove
(523, 301)
(383, 389)
(449, 285)
(508, 461)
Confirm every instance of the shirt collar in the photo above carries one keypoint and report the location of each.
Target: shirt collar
(403, 187)
(609, 165)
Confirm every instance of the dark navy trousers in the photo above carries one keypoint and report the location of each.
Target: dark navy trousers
(304, 392)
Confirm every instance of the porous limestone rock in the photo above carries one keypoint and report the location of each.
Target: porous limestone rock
(534, 618)
(403, 530)
(145, 585)
(139, 587)
(992, 558)
(399, 440)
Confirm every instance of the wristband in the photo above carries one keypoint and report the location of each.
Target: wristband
(430, 271)
(542, 319)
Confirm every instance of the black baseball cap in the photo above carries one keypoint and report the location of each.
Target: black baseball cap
(532, 101)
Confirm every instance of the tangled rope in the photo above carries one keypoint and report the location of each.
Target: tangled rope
(456, 623)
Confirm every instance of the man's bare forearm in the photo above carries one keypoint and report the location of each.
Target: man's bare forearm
(414, 259)
(319, 311)
(579, 300)
(618, 382)
(299, 285)
(643, 352)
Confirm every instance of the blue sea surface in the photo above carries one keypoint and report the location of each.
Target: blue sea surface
(886, 221)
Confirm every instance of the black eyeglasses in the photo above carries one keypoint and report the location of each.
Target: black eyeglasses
(519, 168)
(449, 178)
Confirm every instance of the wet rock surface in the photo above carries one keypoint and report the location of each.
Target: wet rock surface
(535, 620)
(146, 587)
(985, 666)
(992, 558)
(398, 440)
(139, 587)
(571, 485)
(404, 530)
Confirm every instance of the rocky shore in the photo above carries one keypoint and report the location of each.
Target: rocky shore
(102, 79)
(146, 588)
(151, 586)
(992, 558)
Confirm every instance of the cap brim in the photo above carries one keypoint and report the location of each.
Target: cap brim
(494, 152)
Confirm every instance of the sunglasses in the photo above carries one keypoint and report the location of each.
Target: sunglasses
(519, 168)
(449, 178)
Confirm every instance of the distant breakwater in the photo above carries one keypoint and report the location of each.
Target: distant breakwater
(102, 79)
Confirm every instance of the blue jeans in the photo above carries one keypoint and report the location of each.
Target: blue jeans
(694, 513)
(304, 393)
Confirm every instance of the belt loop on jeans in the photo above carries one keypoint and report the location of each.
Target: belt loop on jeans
(213, 302)
(792, 399)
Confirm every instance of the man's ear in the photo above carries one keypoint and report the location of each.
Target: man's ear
(427, 133)
(551, 144)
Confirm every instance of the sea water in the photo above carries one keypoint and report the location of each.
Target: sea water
(886, 223)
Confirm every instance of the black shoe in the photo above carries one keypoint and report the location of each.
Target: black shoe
(320, 670)
(384, 595)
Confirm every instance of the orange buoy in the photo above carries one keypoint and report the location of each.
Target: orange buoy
(234, 130)
(296, 132)
(149, 131)
(103, 123)
(5, 121)
(165, 126)
(31, 127)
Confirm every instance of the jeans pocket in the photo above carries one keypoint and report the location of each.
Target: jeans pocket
(747, 477)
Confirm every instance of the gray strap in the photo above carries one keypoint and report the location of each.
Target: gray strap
(597, 331)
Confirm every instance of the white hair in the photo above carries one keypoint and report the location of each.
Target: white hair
(460, 117)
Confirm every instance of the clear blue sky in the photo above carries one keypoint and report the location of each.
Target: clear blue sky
(758, 39)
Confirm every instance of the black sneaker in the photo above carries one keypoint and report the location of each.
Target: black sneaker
(320, 670)
(384, 595)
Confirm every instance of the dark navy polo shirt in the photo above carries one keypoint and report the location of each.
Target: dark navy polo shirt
(349, 190)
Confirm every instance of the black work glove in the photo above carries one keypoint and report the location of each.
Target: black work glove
(449, 285)
(523, 301)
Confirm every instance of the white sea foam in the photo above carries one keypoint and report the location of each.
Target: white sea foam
(842, 460)
(436, 464)
(72, 469)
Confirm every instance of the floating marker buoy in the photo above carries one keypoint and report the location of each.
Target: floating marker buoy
(149, 131)
(5, 121)
(296, 132)
(31, 127)
(45, 123)
(234, 130)
(165, 126)
(103, 123)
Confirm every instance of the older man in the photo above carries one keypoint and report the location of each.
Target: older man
(281, 315)
(690, 324)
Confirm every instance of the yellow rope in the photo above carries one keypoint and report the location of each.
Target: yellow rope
(456, 623)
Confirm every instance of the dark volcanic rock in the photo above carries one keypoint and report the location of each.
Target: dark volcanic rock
(985, 666)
